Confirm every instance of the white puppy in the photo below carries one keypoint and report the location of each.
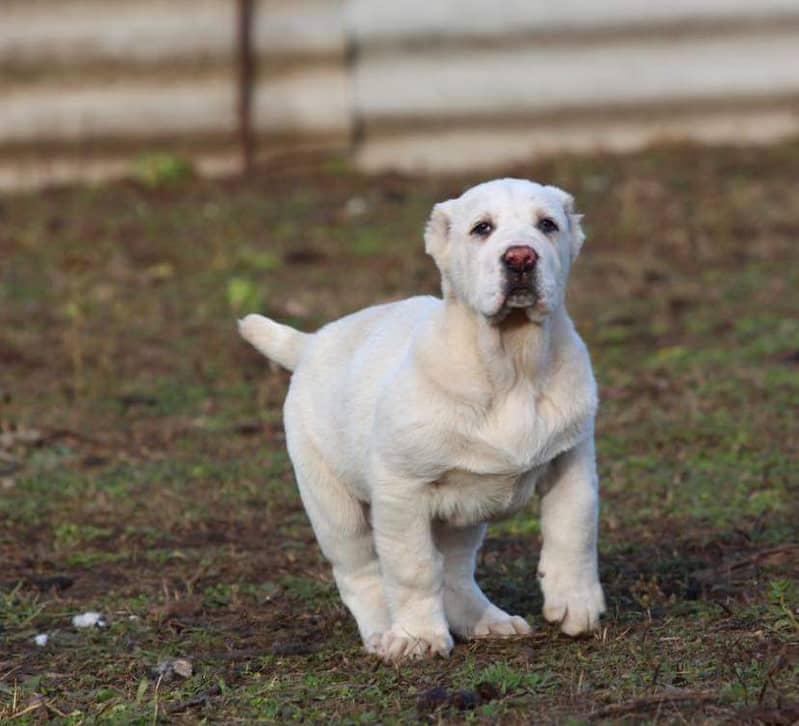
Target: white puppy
(411, 424)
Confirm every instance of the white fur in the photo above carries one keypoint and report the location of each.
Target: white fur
(282, 344)
(412, 424)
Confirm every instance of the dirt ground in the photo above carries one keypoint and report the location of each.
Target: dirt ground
(143, 472)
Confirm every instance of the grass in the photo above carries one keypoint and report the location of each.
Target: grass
(143, 471)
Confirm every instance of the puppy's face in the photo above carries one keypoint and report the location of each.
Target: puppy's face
(506, 244)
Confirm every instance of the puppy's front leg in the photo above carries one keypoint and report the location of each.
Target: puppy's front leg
(412, 570)
(470, 613)
(567, 569)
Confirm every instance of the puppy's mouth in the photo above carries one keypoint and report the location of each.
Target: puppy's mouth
(520, 297)
(518, 300)
(520, 290)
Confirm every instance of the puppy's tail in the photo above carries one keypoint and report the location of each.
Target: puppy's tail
(280, 343)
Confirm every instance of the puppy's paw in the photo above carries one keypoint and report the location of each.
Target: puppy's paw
(401, 643)
(575, 607)
(372, 643)
(497, 623)
(474, 618)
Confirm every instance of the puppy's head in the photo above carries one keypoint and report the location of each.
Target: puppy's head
(505, 244)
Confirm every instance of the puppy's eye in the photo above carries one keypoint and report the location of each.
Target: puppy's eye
(482, 229)
(547, 225)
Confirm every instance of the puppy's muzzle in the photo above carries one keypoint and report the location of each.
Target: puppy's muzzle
(520, 259)
(520, 262)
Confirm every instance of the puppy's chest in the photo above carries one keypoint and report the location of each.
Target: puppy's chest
(502, 455)
(526, 431)
(463, 497)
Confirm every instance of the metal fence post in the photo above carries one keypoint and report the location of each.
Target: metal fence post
(245, 64)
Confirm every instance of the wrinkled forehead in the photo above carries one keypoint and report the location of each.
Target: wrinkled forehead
(510, 197)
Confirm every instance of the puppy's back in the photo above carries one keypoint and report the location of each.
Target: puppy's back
(343, 369)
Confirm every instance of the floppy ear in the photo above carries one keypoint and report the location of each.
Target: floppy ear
(436, 233)
(576, 234)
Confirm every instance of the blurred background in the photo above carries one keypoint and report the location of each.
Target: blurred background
(89, 86)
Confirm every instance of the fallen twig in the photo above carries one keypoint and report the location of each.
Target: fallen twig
(764, 555)
(54, 434)
(199, 700)
(641, 704)
(753, 559)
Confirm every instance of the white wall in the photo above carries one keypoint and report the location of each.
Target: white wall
(428, 84)
(375, 23)
(81, 31)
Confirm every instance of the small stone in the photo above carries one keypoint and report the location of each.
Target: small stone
(89, 620)
(41, 639)
(465, 700)
(182, 667)
(166, 670)
(431, 699)
(487, 691)
(356, 206)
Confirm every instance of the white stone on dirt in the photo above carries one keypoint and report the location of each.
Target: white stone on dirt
(88, 620)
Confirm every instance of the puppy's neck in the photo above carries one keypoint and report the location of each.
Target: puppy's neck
(515, 349)
(518, 349)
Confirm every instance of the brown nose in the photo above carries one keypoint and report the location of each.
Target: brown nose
(520, 258)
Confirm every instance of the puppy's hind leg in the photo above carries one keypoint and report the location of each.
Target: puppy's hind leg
(343, 531)
(470, 613)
